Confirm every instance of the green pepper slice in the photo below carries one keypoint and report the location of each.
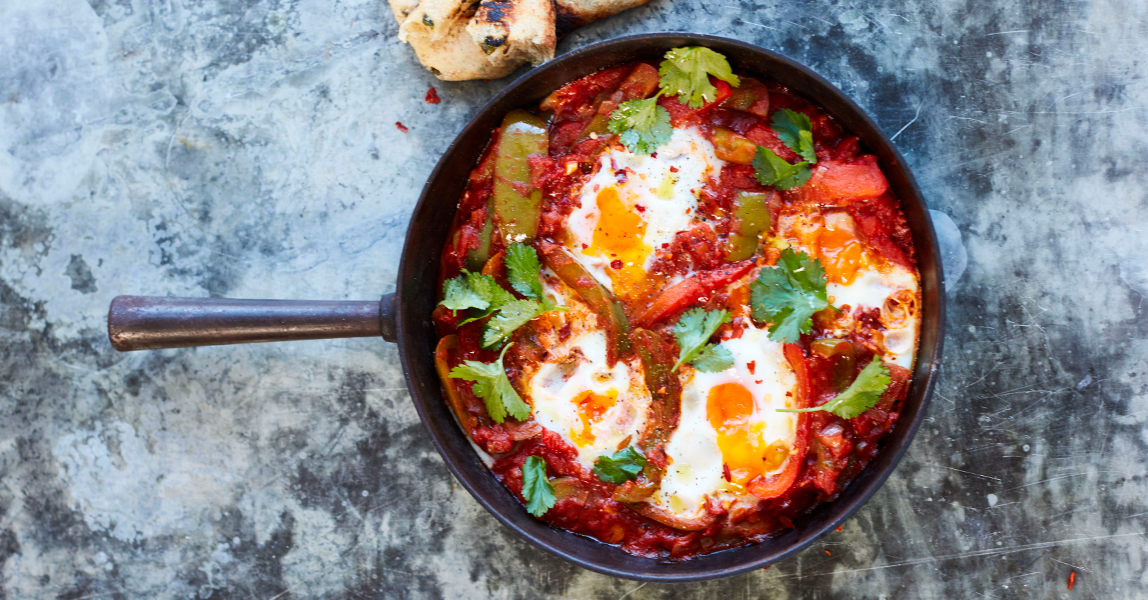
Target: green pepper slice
(733, 147)
(665, 411)
(601, 301)
(516, 205)
(752, 212)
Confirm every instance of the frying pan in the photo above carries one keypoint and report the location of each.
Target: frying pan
(136, 323)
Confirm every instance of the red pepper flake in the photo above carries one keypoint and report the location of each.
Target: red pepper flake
(725, 472)
(616, 264)
(766, 567)
(402, 128)
(432, 96)
(1071, 579)
(827, 552)
(838, 529)
(665, 245)
(789, 394)
(640, 208)
(673, 169)
(751, 365)
(653, 155)
(585, 246)
(758, 381)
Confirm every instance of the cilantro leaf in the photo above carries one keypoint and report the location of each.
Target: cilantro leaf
(459, 295)
(685, 73)
(788, 294)
(621, 467)
(478, 291)
(536, 489)
(795, 131)
(492, 385)
(694, 329)
(713, 359)
(860, 396)
(643, 125)
(511, 316)
(522, 269)
(771, 169)
(474, 290)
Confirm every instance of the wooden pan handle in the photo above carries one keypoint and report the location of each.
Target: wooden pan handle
(154, 322)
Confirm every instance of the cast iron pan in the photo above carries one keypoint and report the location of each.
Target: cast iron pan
(136, 323)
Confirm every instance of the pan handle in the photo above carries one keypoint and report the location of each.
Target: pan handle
(155, 322)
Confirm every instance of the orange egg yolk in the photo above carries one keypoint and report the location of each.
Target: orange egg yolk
(591, 408)
(835, 242)
(619, 236)
(729, 407)
(841, 252)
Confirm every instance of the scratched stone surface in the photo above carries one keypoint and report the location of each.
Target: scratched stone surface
(249, 149)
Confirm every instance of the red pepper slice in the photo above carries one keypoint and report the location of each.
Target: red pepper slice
(777, 484)
(687, 292)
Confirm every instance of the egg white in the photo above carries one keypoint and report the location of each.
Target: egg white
(696, 470)
(871, 289)
(875, 282)
(555, 387)
(669, 198)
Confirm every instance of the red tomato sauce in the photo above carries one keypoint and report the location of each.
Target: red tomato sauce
(834, 450)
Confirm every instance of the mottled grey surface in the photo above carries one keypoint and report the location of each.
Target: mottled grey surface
(248, 149)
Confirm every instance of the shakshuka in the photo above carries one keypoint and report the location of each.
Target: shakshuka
(680, 307)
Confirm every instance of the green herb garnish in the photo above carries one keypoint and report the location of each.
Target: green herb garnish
(622, 466)
(795, 131)
(788, 294)
(642, 125)
(771, 169)
(860, 396)
(685, 73)
(492, 385)
(693, 332)
(536, 489)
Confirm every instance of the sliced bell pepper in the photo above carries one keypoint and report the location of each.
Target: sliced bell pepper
(662, 420)
(478, 256)
(751, 209)
(447, 354)
(687, 292)
(601, 301)
(840, 357)
(516, 205)
(733, 147)
(772, 486)
(751, 96)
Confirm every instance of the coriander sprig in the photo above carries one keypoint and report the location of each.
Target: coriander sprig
(788, 295)
(482, 292)
(536, 488)
(860, 396)
(493, 386)
(693, 332)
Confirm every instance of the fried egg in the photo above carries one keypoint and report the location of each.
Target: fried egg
(634, 204)
(730, 432)
(593, 407)
(858, 278)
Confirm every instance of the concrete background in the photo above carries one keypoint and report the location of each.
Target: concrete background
(248, 149)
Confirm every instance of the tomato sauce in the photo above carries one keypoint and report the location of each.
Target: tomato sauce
(834, 449)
